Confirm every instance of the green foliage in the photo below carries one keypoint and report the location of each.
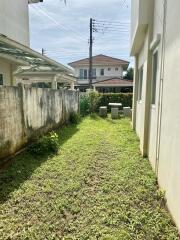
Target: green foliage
(93, 100)
(129, 74)
(74, 118)
(46, 144)
(124, 98)
(84, 105)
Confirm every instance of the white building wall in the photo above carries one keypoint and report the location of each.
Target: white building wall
(168, 165)
(14, 23)
(14, 20)
(140, 110)
(153, 122)
(169, 161)
(6, 70)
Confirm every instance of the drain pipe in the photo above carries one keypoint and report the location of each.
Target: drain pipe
(160, 101)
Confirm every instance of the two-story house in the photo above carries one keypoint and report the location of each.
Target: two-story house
(15, 48)
(107, 74)
(155, 44)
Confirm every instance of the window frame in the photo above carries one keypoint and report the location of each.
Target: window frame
(82, 74)
(85, 75)
(140, 82)
(116, 69)
(102, 72)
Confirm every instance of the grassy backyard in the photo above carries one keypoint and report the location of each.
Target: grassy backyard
(97, 187)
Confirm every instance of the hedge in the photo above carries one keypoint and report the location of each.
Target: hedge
(103, 100)
(124, 98)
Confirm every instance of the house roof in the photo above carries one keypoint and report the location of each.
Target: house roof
(34, 1)
(114, 82)
(100, 60)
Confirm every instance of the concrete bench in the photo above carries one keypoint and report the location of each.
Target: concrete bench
(103, 111)
(115, 109)
(114, 113)
(127, 112)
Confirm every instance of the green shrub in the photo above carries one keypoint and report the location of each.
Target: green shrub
(46, 144)
(74, 118)
(84, 105)
(124, 98)
(93, 99)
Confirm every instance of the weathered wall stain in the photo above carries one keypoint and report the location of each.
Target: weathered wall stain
(28, 112)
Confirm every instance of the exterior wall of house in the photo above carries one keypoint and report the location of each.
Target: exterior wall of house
(14, 23)
(6, 71)
(107, 74)
(169, 159)
(142, 62)
(14, 20)
(153, 121)
(163, 128)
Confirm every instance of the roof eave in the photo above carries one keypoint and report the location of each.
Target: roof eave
(25, 49)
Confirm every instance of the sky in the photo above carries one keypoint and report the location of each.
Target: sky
(63, 30)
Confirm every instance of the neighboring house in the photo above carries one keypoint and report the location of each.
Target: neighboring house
(155, 44)
(104, 68)
(15, 42)
(114, 85)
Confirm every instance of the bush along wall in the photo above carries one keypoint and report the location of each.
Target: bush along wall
(103, 100)
(124, 98)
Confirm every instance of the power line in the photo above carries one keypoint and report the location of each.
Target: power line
(110, 22)
(100, 26)
(43, 12)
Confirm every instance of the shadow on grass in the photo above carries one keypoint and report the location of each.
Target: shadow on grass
(96, 117)
(23, 165)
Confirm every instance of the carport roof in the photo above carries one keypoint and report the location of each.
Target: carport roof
(22, 55)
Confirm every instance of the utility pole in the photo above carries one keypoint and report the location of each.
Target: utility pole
(43, 51)
(90, 54)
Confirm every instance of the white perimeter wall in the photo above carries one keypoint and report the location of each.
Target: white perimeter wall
(27, 112)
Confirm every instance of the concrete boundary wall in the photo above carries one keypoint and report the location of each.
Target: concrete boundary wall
(27, 112)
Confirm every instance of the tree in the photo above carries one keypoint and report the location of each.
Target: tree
(129, 74)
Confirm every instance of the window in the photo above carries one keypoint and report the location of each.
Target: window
(102, 72)
(83, 74)
(116, 69)
(1, 79)
(109, 69)
(94, 73)
(154, 77)
(140, 83)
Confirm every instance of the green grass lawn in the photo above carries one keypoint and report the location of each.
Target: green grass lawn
(97, 187)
